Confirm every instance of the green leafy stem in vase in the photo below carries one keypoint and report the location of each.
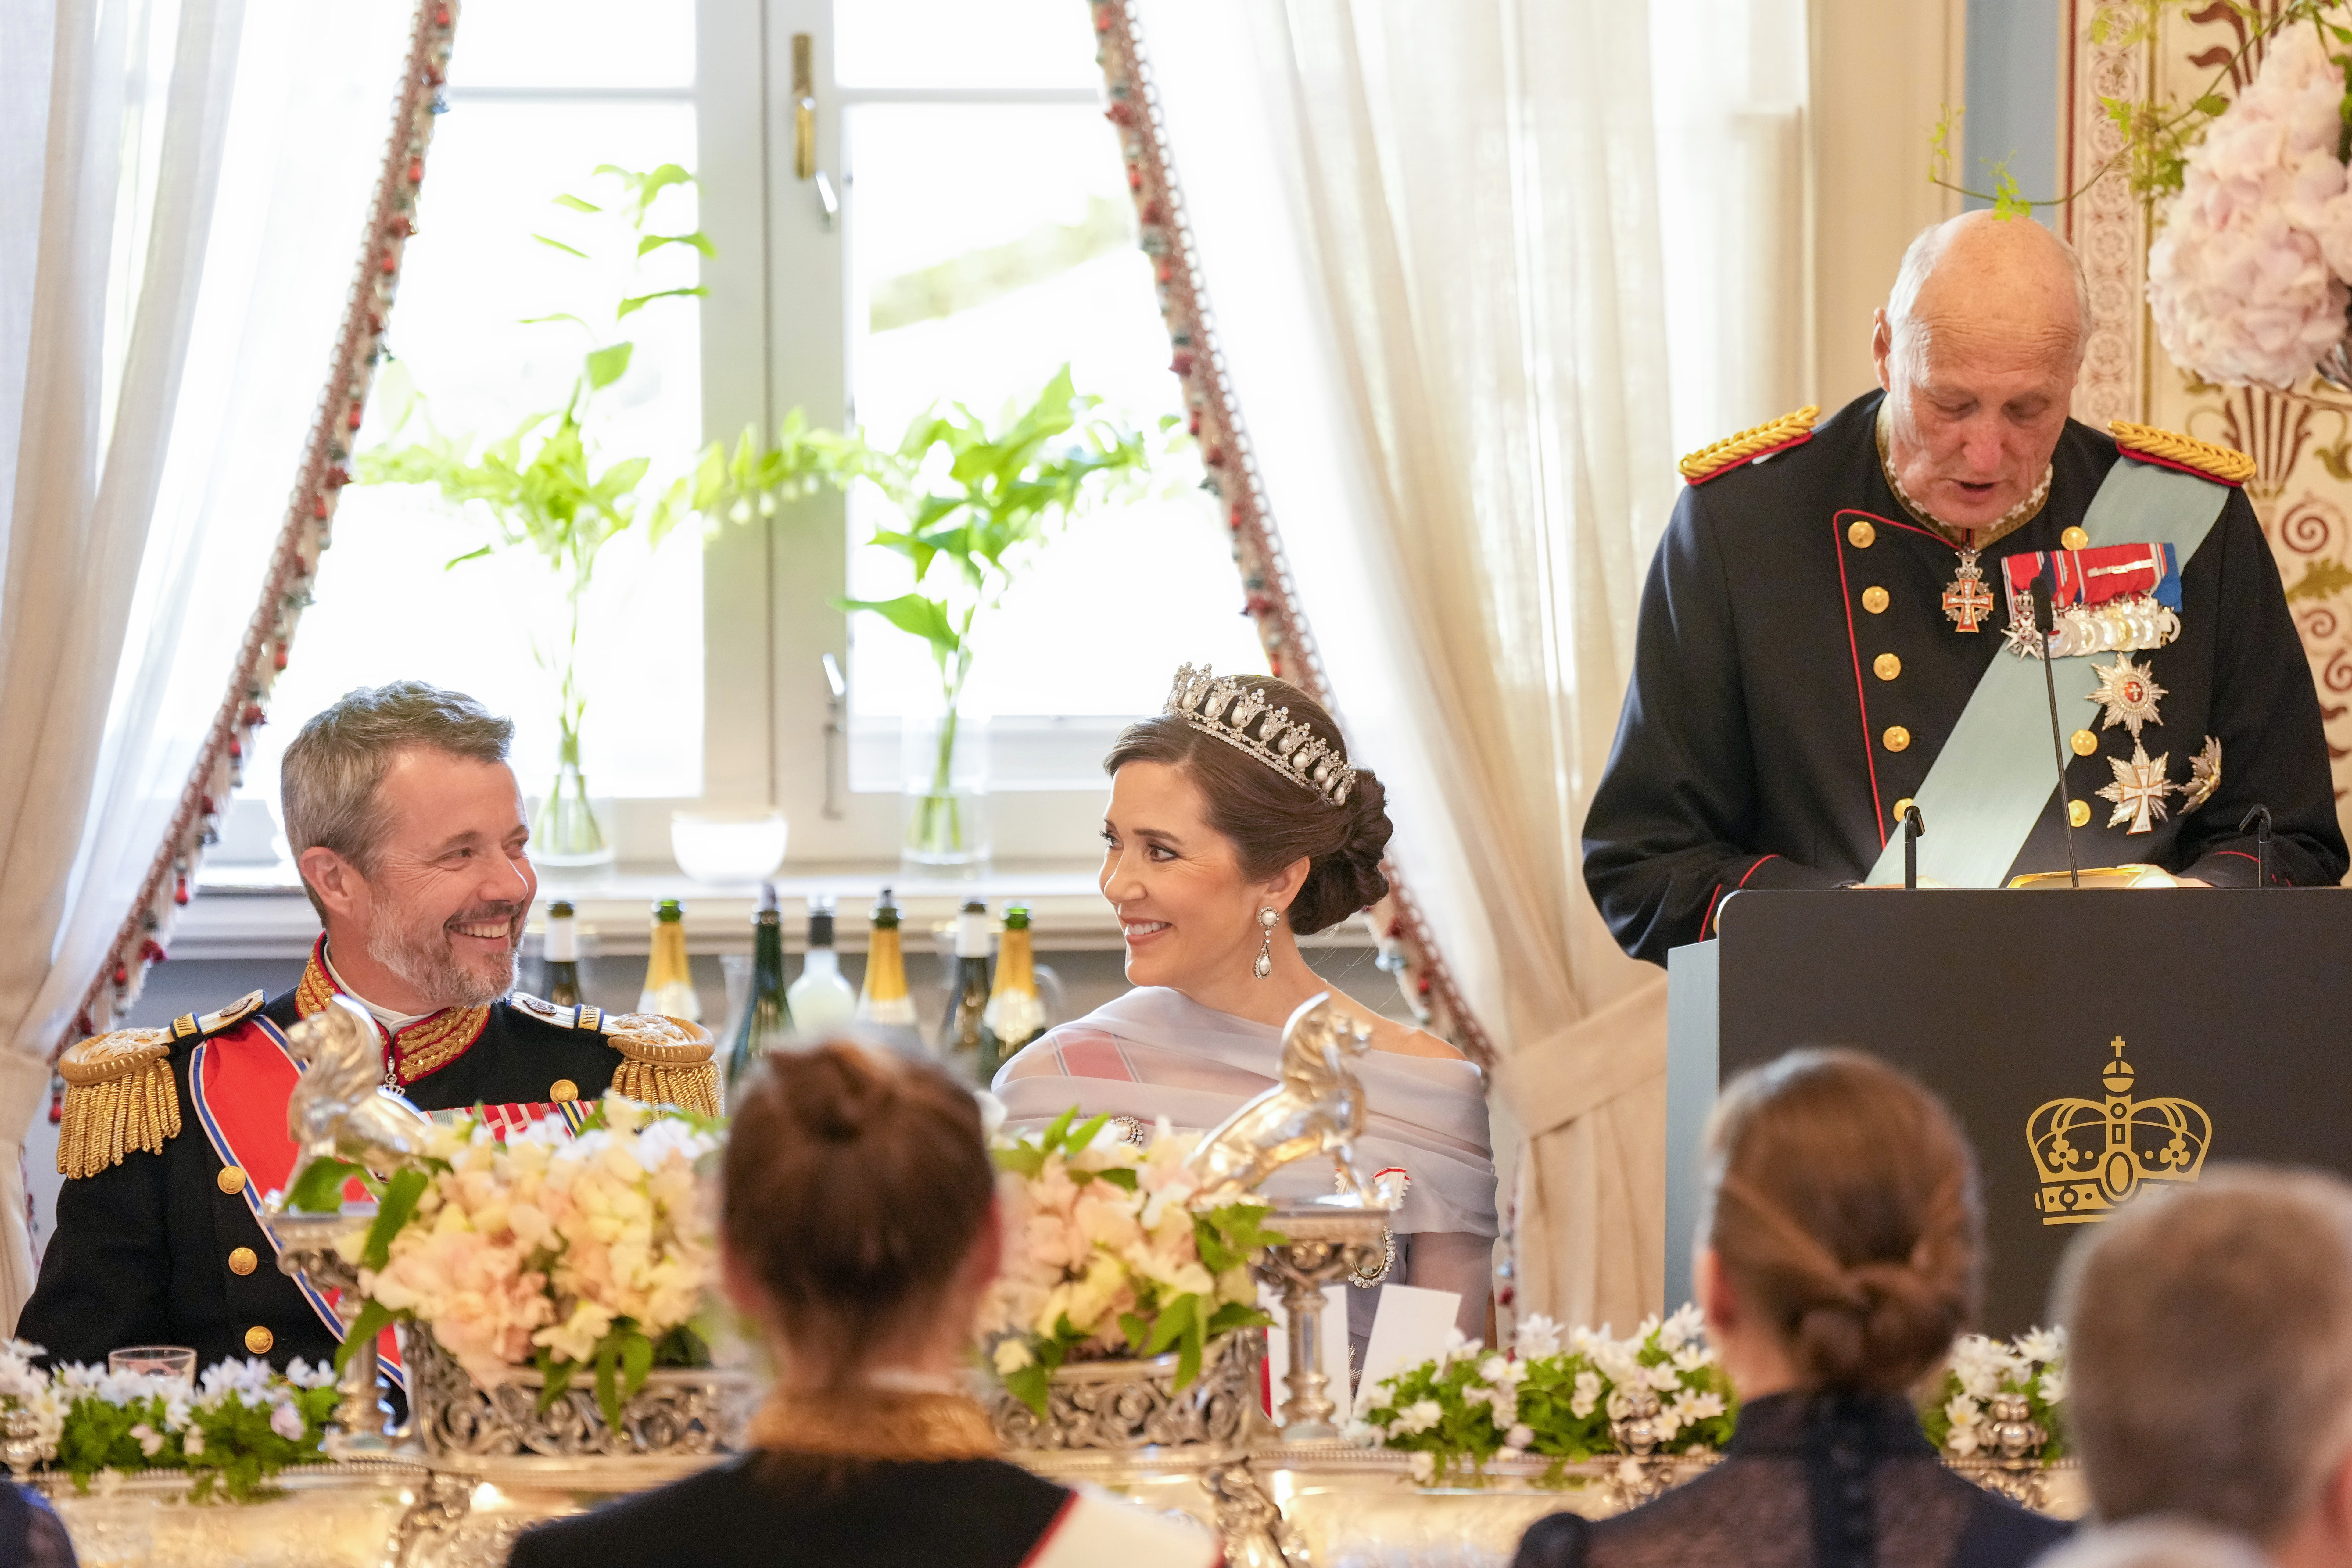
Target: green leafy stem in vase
(548, 486)
(974, 503)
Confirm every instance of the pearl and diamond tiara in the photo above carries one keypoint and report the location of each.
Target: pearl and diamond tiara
(1241, 718)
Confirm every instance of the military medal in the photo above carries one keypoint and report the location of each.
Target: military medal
(2204, 775)
(2114, 599)
(2138, 790)
(1967, 601)
(2127, 696)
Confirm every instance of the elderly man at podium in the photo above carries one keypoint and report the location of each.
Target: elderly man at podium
(1840, 621)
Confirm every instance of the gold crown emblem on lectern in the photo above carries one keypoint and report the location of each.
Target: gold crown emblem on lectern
(2090, 1156)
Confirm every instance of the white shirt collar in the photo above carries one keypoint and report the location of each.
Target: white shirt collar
(391, 1022)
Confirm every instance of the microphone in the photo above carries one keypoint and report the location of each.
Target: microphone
(1913, 824)
(2262, 843)
(2045, 620)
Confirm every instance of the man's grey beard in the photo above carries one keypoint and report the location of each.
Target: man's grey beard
(424, 959)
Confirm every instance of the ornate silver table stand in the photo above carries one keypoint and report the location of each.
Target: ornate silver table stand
(362, 1426)
(1327, 1241)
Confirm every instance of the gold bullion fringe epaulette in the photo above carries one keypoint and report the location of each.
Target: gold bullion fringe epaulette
(118, 1096)
(1732, 450)
(2222, 463)
(664, 1062)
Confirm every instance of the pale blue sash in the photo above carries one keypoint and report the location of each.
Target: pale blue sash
(1993, 780)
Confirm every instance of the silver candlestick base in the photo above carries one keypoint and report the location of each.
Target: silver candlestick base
(1325, 1242)
(361, 1427)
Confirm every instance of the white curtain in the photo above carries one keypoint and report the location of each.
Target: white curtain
(186, 189)
(1431, 238)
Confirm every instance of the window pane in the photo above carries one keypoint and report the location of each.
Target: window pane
(974, 277)
(573, 44)
(385, 607)
(964, 43)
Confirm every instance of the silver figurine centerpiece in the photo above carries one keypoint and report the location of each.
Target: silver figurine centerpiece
(1315, 1110)
(340, 1110)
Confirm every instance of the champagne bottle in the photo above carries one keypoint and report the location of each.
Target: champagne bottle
(767, 1017)
(559, 954)
(822, 1002)
(669, 986)
(1014, 1015)
(959, 1035)
(885, 999)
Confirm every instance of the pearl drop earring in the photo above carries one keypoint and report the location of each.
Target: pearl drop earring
(1263, 968)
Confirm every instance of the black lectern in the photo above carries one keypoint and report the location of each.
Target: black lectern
(2096, 1045)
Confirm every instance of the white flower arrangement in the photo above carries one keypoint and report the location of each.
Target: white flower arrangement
(241, 1424)
(1553, 1394)
(1105, 1257)
(2247, 277)
(566, 1254)
(2032, 1368)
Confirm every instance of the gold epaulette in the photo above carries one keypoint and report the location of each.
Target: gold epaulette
(664, 1062)
(190, 1024)
(2221, 464)
(1730, 452)
(118, 1096)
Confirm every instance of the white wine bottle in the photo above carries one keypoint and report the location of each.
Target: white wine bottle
(884, 1000)
(669, 984)
(1014, 1015)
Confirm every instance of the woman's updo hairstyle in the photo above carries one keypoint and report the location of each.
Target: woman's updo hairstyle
(853, 1188)
(1270, 820)
(1843, 1205)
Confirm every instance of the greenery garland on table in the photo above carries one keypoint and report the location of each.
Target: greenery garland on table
(1560, 1396)
(1554, 1395)
(236, 1427)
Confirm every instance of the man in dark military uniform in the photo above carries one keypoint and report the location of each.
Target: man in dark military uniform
(1819, 623)
(411, 838)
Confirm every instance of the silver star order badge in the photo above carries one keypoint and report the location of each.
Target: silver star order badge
(2127, 693)
(2138, 790)
(2204, 775)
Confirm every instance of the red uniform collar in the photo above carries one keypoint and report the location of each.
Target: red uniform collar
(420, 1049)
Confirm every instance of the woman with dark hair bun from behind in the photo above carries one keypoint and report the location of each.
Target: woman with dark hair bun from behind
(1237, 824)
(1840, 1254)
(858, 1231)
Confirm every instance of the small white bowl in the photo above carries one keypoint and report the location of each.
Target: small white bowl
(728, 849)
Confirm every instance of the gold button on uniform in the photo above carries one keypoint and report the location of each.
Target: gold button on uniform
(2074, 538)
(1862, 536)
(2083, 742)
(2078, 813)
(241, 1260)
(1874, 600)
(258, 1340)
(231, 1179)
(563, 1090)
(1897, 737)
(1902, 806)
(1886, 667)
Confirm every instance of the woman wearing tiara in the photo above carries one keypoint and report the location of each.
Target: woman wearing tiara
(1235, 825)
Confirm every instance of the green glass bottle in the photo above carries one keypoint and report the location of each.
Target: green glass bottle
(767, 1017)
(561, 955)
(961, 1043)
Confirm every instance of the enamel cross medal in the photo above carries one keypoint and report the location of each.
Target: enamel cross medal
(1967, 600)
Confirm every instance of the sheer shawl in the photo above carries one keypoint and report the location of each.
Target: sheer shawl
(1155, 1053)
(1810, 1481)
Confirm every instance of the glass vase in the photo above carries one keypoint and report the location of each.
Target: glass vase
(944, 771)
(565, 829)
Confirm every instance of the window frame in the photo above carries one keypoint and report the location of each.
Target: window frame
(771, 731)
